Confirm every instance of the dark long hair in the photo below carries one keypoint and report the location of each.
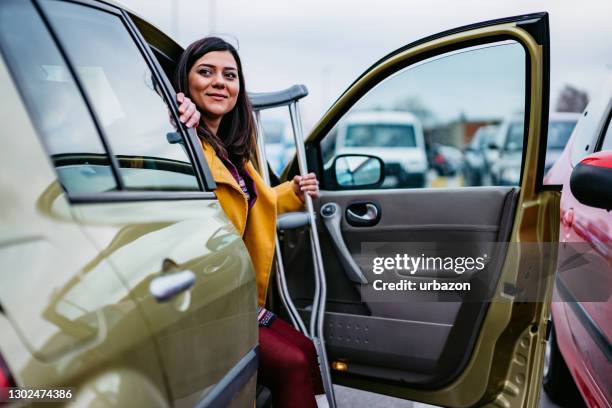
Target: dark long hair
(235, 138)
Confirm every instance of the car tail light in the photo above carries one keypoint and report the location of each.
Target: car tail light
(439, 159)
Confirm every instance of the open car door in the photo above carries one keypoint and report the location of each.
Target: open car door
(441, 342)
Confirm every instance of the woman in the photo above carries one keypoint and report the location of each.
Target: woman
(210, 74)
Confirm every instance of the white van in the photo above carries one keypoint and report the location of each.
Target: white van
(396, 137)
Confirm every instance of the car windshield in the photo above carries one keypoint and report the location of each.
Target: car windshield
(559, 133)
(380, 135)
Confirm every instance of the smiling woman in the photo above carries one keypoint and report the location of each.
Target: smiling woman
(211, 73)
(214, 84)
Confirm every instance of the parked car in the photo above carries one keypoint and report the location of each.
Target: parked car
(479, 156)
(122, 278)
(580, 350)
(395, 137)
(445, 160)
(509, 141)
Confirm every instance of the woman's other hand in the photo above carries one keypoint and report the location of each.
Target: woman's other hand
(189, 114)
(306, 184)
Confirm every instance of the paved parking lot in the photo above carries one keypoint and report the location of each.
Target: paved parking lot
(351, 398)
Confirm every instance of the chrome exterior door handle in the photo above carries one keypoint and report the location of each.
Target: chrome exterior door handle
(167, 286)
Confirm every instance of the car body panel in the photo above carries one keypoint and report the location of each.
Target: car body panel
(218, 321)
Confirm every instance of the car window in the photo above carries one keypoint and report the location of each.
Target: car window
(54, 102)
(126, 98)
(589, 132)
(380, 134)
(607, 140)
(420, 120)
(484, 136)
(559, 133)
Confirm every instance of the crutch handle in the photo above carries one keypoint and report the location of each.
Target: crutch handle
(292, 220)
(267, 100)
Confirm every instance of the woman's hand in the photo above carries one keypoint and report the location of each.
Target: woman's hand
(306, 184)
(190, 115)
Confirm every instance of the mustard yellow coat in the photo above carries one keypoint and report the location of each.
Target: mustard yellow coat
(259, 228)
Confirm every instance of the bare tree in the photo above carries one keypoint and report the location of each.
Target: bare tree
(572, 99)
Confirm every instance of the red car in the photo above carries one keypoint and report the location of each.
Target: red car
(580, 350)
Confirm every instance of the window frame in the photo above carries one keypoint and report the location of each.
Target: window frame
(593, 124)
(607, 124)
(195, 155)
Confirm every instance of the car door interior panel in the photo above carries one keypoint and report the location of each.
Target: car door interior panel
(450, 322)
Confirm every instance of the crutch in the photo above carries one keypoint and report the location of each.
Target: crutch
(290, 97)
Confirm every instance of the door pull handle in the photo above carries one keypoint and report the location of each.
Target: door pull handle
(370, 216)
(167, 286)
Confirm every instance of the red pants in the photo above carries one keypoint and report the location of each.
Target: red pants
(288, 366)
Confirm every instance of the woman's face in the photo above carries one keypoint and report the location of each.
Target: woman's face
(214, 83)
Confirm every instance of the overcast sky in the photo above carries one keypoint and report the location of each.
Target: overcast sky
(326, 44)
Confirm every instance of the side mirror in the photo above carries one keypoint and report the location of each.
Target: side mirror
(591, 180)
(358, 171)
(493, 146)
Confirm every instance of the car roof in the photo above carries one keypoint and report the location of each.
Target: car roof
(382, 116)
